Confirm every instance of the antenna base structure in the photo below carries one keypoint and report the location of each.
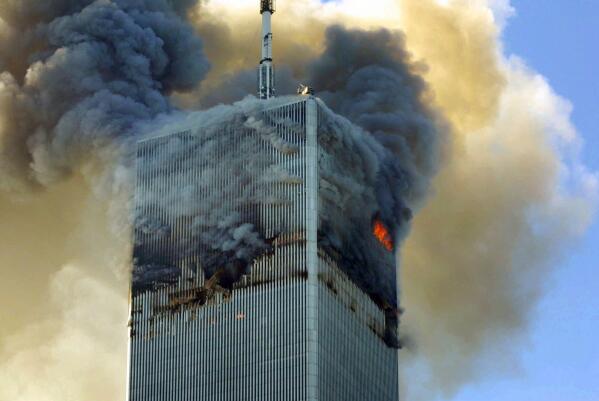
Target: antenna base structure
(267, 5)
(266, 72)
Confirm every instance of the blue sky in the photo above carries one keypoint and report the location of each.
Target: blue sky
(560, 40)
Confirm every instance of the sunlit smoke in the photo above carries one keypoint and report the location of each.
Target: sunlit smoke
(509, 198)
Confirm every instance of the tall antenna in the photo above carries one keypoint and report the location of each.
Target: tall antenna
(266, 72)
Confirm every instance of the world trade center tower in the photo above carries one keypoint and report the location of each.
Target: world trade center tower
(258, 274)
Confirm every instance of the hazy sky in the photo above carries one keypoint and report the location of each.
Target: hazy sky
(558, 38)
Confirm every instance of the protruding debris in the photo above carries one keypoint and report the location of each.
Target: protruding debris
(305, 90)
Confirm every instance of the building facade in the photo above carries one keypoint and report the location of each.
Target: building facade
(293, 325)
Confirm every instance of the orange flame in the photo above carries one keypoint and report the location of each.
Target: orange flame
(382, 234)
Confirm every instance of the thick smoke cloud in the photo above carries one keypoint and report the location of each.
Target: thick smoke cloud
(369, 77)
(76, 77)
(509, 201)
(78, 74)
(479, 252)
(64, 290)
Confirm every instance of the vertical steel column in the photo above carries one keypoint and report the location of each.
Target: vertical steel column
(312, 248)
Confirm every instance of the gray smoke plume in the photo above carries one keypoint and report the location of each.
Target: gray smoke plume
(78, 74)
(368, 77)
(87, 79)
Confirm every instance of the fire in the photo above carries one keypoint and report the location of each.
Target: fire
(382, 234)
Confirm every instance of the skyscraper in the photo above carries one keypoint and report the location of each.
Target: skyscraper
(263, 265)
(238, 291)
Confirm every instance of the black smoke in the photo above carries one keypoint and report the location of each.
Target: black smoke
(369, 77)
(77, 76)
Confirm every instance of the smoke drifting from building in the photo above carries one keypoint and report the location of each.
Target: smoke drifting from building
(477, 256)
(369, 77)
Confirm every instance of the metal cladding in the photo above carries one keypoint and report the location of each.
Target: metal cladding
(266, 71)
(277, 314)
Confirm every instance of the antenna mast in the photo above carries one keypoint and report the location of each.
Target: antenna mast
(266, 72)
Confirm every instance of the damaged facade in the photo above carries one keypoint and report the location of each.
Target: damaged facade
(260, 271)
